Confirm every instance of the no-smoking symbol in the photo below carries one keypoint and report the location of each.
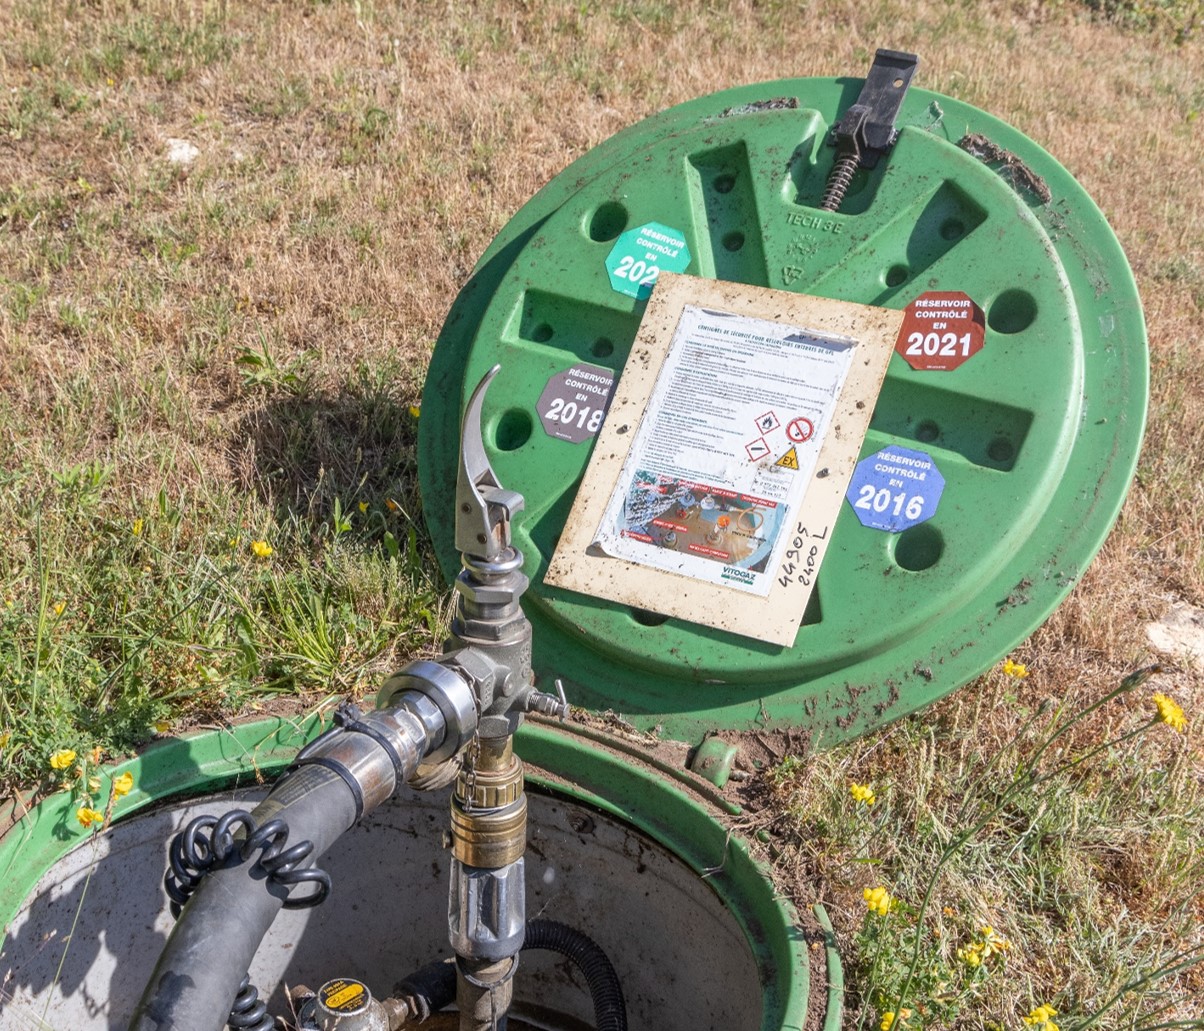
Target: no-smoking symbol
(800, 430)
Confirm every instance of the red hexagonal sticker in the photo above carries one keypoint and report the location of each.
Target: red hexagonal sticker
(941, 329)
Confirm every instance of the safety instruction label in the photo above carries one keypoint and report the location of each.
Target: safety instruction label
(719, 473)
(699, 494)
(895, 488)
(941, 330)
(640, 255)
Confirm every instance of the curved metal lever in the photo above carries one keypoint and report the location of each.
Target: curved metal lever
(483, 507)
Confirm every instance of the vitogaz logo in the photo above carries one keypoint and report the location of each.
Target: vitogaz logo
(744, 576)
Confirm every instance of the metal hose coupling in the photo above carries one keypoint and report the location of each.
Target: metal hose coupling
(427, 714)
(487, 900)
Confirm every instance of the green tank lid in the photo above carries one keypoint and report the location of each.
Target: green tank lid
(1035, 435)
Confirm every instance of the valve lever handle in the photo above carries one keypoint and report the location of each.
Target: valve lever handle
(483, 507)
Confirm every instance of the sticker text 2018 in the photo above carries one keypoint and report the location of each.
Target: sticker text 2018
(566, 411)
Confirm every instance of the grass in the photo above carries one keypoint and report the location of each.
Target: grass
(1064, 835)
(197, 357)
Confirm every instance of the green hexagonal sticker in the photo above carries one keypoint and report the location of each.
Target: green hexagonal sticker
(640, 255)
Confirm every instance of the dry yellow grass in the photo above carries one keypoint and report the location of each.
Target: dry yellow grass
(355, 160)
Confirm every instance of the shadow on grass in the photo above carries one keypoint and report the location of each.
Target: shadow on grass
(314, 457)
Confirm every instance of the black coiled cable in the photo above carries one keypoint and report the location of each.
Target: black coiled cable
(249, 1012)
(207, 843)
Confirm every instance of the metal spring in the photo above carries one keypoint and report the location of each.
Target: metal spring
(838, 182)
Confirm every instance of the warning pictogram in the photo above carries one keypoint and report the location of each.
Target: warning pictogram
(789, 460)
(757, 450)
(800, 430)
(767, 422)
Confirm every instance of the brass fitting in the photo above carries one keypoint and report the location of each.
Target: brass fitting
(488, 807)
(489, 840)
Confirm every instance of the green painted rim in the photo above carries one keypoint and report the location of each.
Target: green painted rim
(678, 811)
(835, 1011)
(671, 807)
(207, 761)
(1037, 435)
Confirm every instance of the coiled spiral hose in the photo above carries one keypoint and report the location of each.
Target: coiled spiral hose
(208, 842)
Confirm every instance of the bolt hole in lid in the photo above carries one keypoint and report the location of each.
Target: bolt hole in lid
(1034, 434)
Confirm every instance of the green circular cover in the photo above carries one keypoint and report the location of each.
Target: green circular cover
(1036, 435)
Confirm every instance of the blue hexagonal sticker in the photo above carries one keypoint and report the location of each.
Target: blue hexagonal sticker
(640, 255)
(895, 489)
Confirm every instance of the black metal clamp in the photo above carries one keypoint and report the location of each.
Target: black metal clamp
(867, 129)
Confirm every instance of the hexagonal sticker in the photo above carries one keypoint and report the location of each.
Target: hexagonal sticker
(895, 488)
(941, 329)
(641, 254)
(574, 402)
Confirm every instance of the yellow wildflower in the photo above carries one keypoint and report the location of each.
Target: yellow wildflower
(391, 505)
(1014, 669)
(262, 549)
(879, 900)
(993, 942)
(971, 954)
(58, 607)
(5, 738)
(108, 82)
(863, 793)
(414, 411)
(88, 816)
(363, 506)
(123, 783)
(1169, 712)
(61, 759)
(136, 529)
(162, 726)
(888, 1018)
(1042, 1017)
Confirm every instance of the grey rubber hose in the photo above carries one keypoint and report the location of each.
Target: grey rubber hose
(211, 947)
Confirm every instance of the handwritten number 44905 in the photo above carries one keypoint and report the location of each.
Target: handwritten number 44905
(801, 560)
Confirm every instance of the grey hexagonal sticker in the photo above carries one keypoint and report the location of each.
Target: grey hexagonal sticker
(574, 402)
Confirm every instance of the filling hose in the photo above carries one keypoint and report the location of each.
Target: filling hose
(203, 965)
(211, 947)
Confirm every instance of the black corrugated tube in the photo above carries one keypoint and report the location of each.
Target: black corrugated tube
(434, 986)
(610, 1011)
